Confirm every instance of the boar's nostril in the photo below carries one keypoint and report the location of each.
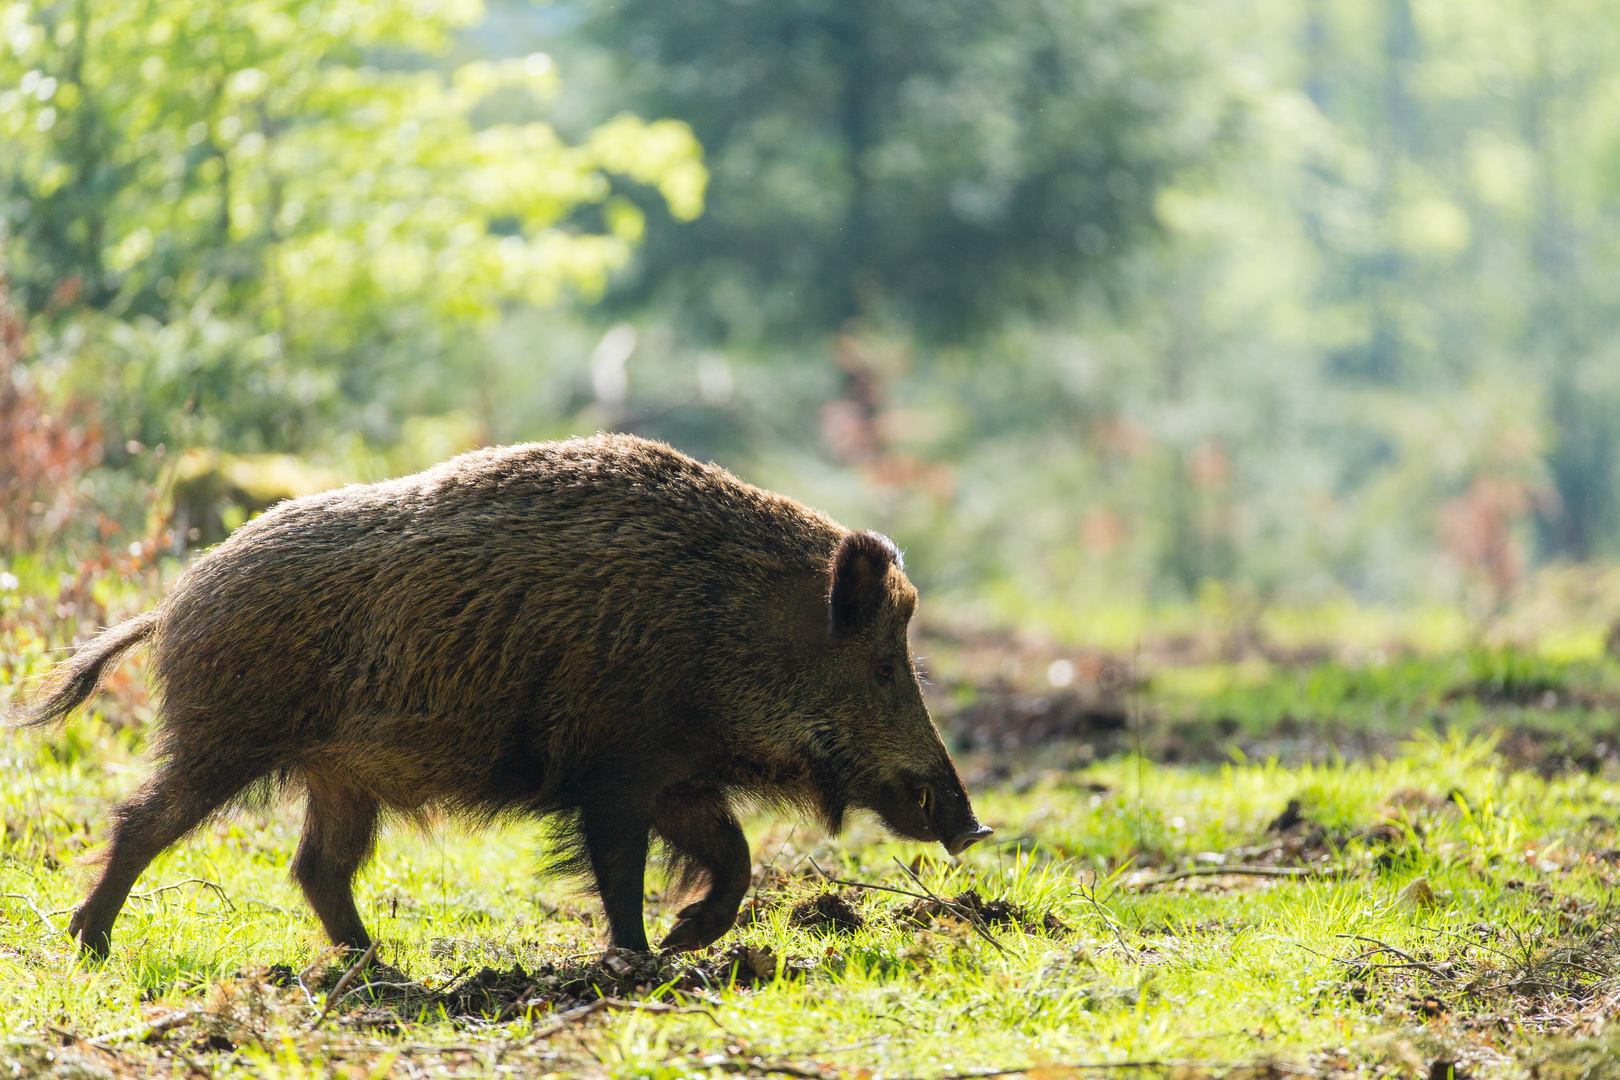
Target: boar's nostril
(964, 840)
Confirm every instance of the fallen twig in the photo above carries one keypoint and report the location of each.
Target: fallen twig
(1246, 871)
(320, 958)
(1410, 961)
(450, 984)
(337, 991)
(1315, 952)
(153, 894)
(353, 990)
(1362, 965)
(1572, 965)
(1108, 920)
(1165, 1064)
(31, 907)
(1384, 945)
(759, 1065)
(967, 913)
(516, 1006)
(863, 884)
(144, 1031)
(565, 1020)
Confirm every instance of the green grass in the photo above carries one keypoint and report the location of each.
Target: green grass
(1208, 969)
(1553, 712)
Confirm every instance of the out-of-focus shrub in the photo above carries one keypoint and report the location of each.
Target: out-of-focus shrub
(44, 451)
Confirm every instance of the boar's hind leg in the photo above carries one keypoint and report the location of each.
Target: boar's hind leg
(340, 829)
(160, 812)
(709, 842)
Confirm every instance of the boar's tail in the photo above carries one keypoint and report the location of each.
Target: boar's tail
(78, 677)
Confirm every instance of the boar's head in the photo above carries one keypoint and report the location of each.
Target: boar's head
(883, 751)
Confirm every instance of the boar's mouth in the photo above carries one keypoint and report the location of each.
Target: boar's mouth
(966, 839)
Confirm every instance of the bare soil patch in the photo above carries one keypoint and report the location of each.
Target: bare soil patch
(829, 913)
(998, 913)
(385, 995)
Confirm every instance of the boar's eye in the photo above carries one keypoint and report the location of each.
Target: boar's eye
(886, 672)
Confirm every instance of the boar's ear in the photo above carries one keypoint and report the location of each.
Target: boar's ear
(858, 569)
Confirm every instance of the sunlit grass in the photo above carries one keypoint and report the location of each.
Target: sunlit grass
(1561, 613)
(1219, 969)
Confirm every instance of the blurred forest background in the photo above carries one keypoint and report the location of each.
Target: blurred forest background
(1105, 309)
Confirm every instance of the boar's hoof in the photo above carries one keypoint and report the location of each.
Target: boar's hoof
(697, 927)
(93, 944)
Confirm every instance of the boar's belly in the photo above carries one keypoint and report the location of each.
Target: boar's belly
(410, 763)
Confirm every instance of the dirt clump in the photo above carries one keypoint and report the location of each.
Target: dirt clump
(971, 906)
(618, 973)
(1410, 801)
(1291, 817)
(829, 913)
(277, 975)
(755, 910)
(1293, 839)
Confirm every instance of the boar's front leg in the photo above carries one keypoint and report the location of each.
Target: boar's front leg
(616, 831)
(340, 827)
(705, 836)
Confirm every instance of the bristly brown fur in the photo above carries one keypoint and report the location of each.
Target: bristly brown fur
(602, 632)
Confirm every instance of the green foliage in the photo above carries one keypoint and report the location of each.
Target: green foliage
(1361, 353)
(1372, 354)
(944, 163)
(1513, 675)
(1091, 303)
(1398, 295)
(249, 218)
(1556, 714)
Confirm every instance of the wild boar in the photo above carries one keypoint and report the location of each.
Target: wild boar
(601, 632)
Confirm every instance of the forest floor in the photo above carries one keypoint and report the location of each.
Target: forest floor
(1279, 866)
